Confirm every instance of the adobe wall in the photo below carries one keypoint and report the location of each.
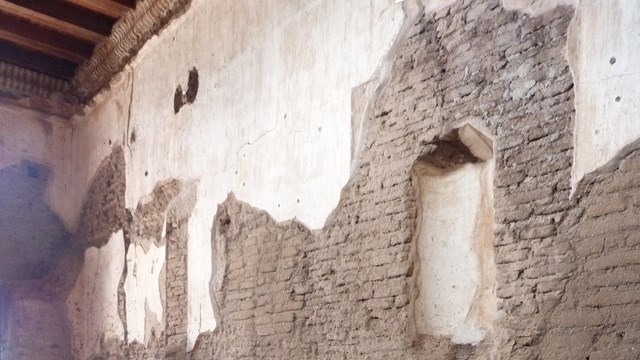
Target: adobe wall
(156, 270)
(565, 269)
(456, 67)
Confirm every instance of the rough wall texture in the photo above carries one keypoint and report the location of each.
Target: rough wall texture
(597, 317)
(473, 62)
(158, 222)
(566, 270)
(103, 211)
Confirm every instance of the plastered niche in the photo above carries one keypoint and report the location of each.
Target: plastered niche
(454, 289)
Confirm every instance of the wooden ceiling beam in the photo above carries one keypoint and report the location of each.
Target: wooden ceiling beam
(38, 62)
(34, 37)
(66, 12)
(128, 3)
(114, 9)
(37, 18)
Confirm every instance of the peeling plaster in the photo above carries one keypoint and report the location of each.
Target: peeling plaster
(603, 52)
(93, 301)
(286, 104)
(262, 97)
(145, 306)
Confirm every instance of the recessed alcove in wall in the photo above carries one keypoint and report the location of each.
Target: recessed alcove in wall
(454, 284)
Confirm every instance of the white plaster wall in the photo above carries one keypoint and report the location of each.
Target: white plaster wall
(455, 282)
(271, 121)
(93, 301)
(144, 302)
(607, 92)
(30, 135)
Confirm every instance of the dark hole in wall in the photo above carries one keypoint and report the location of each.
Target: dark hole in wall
(178, 102)
(448, 152)
(32, 171)
(180, 98)
(193, 84)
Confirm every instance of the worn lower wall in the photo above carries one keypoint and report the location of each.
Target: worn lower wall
(597, 315)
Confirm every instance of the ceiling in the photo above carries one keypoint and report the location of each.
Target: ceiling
(55, 55)
(54, 37)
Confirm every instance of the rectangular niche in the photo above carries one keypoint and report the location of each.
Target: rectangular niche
(455, 278)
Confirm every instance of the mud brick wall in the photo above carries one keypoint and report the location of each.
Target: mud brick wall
(264, 289)
(177, 286)
(473, 62)
(566, 267)
(598, 315)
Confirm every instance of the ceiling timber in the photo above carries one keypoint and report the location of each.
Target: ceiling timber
(81, 42)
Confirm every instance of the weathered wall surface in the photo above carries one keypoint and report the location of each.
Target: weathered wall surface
(597, 317)
(473, 62)
(35, 248)
(603, 51)
(262, 97)
(274, 120)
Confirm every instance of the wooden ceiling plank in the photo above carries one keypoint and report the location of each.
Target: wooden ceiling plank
(128, 3)
(70, 13)
(50, 22)
(107, 7)
(42, 47)
(35, 37)
(38, 62)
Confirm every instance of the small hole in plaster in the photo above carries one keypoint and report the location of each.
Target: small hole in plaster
(33, 172)
(109, 141)
(285, 115)
(298, 201)
(193, 85)
(146, 173)
(596, 132)
(612, 60)
(133, 136)
(278, 205)
(618, 98)
(178, 100)
(236, 172)
(320, 129)
(243, 184)
(181, 98)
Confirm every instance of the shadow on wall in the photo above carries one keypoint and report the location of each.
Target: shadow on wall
(32, 237)
(453, 293)
(35, 252)
(4, 310)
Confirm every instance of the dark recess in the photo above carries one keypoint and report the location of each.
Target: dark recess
(180, 98)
